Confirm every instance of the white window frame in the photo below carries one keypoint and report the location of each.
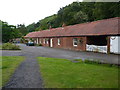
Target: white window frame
(75, 41)
(58, 41)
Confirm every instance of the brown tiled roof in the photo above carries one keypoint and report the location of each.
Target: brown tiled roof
(101, 27)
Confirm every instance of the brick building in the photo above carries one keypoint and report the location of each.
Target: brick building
(98, 36)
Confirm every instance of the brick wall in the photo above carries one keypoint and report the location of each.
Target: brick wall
(66, 43)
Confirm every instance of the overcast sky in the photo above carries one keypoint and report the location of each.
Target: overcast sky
(28, 11)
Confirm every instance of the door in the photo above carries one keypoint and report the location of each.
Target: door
(37, 41)
(51, 42)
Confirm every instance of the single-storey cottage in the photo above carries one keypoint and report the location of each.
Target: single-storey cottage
(99, 36)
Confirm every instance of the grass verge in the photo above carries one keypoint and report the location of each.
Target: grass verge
(62, 73)
(0, 47)
(9, 64)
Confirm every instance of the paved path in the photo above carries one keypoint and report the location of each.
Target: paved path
(27, 75)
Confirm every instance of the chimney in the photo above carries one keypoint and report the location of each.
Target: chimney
(63, 25)
(50, 27)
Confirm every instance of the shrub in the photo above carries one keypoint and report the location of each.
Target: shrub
(78, 60)
(31, 39)
(114, 65)
(10, 46)
(25, 41)
(108, 65)
(92, 62)
(39, 44)
(0, 47)
(98, 62)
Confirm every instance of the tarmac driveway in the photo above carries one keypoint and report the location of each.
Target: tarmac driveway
(61, 53)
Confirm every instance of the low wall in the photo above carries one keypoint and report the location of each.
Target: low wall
(95, 48)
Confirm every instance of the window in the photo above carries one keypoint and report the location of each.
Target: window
(58, 41)
(75, 42)
(47, 41)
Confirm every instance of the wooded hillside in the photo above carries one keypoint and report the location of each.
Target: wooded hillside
(78, 12)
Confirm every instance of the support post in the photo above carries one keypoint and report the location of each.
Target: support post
(108, 44)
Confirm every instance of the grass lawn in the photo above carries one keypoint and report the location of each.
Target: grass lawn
(62, 73)
(0, 47)
(9, 64)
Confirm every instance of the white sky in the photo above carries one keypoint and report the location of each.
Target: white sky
(28, 11)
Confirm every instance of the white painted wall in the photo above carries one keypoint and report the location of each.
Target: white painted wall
(95, 48)
(115, 44)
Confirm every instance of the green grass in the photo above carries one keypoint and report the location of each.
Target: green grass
(62, 73)
(9, 64)
(0, 47)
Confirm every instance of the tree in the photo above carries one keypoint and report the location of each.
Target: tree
(9, 32)
(80, 17)
(104, 10)
(22, 29)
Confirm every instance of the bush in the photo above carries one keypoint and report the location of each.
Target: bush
(78, 60)
(10, 46)
(38, 44)
(98, 62)
(25, 41)
(92, 62)
(0, 47)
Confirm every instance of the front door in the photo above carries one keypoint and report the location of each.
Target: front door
(51, 42)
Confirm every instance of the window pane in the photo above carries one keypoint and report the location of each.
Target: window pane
(75, 41)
